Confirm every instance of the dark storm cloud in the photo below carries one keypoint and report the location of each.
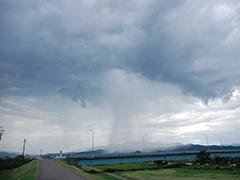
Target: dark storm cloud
(49, 47)
(135, 67)
(40, 50)
(173, 48)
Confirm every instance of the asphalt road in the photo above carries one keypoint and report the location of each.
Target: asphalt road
(50, 170)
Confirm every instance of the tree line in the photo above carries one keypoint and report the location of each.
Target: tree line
(12, 163)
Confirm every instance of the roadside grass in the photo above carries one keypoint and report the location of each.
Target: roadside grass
(25, 172)
(179, 174)
(183, 161)
(90, 174)
(148, 171)
(135, 166)
(99, 175)
(104, 176)
(12, 163)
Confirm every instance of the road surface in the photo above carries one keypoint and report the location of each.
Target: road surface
(49, 170)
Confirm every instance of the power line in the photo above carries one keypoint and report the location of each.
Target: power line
(12, 136)
(32, 146)
(16, 139)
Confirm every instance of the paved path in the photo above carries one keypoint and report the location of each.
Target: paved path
(49, 170)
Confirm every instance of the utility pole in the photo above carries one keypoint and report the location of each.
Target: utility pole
(144, 142)
(207, 140)
(92, 141)
(221, 142)
(24, 142)
(1, 132)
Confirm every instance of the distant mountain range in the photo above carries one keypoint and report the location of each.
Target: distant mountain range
(131, 147)
(235, 144)
(8, 154)
(158, 147)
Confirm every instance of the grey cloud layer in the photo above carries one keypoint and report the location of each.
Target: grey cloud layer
(65, 48)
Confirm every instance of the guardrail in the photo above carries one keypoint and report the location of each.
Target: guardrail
(158, 158)
(152, 153)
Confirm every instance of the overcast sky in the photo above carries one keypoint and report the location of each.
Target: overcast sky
(169, 69)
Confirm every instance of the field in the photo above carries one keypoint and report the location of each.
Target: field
(25, 172)
(179, 173)
(148, 171)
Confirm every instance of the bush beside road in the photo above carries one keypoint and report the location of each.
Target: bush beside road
(25, 172)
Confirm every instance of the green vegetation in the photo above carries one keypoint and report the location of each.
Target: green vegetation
(136, 171)
(179, 173)
(203, 167)
(25, 172)
(9, 164)
(86, 173)
(203, 157)
(135, 166)
(99, 175)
